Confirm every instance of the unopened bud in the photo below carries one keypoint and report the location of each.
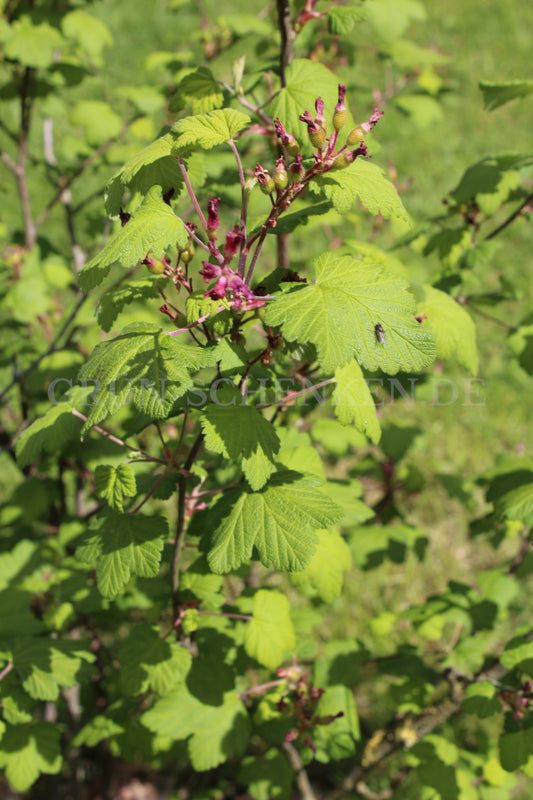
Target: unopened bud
(296, 170)
(342, 161)
(317, 135)
(187, 254)
(320, 119)
(212, 217)
(280, 175)
(355, 136)
(155, 265)
(266, 184)
(339, 115)
(287, 140)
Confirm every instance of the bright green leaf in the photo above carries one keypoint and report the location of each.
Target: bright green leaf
(216, 731)
(305, 80)
(324, 572)
(114, 484)
(354, 402)
(33, 45)
(150, 663)
(200, 90)
(279, 521)
(269, 636)
(153, 227)
(341, 19)
(268, 776)
(112, 303)
(452, 326)
(338, 313)
(496, 93)
(209, 130)
(142, 365)
(153, 166)
(98, 120)
(26, 751)
(120, 546)
(240, 432)
(366, 181)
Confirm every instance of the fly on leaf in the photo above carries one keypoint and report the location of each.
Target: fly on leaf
(380, 333)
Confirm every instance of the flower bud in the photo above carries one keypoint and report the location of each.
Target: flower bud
(355, 136)
(187, 254)
(339, 115)
(280, 175)
(155, 265)
(233, 241)
(266, 184)
(296, 170)
(317, 135)
(212, 217)
(320, 119)
(287, 140)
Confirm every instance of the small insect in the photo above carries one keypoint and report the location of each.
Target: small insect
(380, 333)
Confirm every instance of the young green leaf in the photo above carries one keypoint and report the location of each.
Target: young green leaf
(305, 81)
(517, 504)
(26, 751)
(112, 303)
(365, 181)
(121, 545)
(339, 311)
(152, 229)
(452, 326)
(267, 776)
(241, 432)
(149, 663)
(323, 574)
(354, 402)
(143, 365)
(279, 521)
(114, 484)
(46, 665)
(269, 636)
(200, 90)
(153, 166)
(215, 732)
(48, 434)
(496, 93)
(209, 130)
(341, 19)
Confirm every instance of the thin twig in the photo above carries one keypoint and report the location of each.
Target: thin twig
(306, 791)
(513, 216)
(7, 669)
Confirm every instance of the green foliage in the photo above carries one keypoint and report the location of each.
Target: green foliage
(119, 546)
(151, 230)
(278, 521)
(284, 565)
(339, 312)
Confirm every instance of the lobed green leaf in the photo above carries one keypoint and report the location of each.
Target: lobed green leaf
(338, 313)
(152, 229)
(279, 521)
(122, 545)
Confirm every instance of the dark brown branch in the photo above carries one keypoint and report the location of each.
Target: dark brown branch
(25, 116)
(287, 37)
